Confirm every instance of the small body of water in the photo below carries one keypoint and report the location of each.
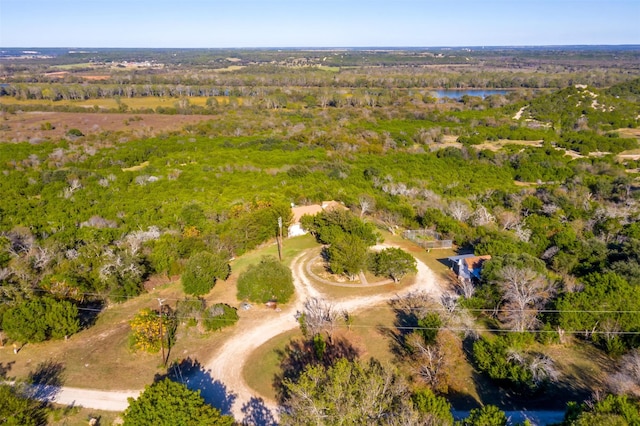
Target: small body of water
(459, 93)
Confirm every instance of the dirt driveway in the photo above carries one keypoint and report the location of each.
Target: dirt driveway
(228, 362)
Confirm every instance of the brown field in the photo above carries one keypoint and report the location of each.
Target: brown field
(27, 126)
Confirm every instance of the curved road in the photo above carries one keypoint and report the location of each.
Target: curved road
(227, 363)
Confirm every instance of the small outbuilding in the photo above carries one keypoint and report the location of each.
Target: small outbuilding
(468, 266)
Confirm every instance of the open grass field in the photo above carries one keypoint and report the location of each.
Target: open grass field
(499, 144)
(111, 103)
(29, 126)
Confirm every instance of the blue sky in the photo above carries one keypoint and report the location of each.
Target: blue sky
(316, 23)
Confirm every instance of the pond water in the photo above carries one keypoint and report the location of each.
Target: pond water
(458, 93)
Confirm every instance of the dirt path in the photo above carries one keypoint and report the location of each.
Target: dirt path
(89, 398)
(228, 362)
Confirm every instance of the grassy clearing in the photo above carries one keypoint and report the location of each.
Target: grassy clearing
(264, 364)
(74, 66)
(499, 144)
(136, 168)
(99, 357)
(78, 416)
(327, 68)
(229, 68)
(291, 247)
(629, 133)
(365, 334)
(111, 103)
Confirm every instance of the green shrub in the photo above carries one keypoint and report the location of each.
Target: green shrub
(41, 319)
(202, 270)
(219, 316)
(268, 280)
(74, 133)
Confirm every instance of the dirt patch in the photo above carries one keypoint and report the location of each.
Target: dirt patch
(497, 145)
(30, 126)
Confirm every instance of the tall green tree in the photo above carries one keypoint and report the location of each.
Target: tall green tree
(268, 280)
(18, 410)
(346, 393)
(41, 319)
(202, 270)
(607, 305)
(168, 403)
(489, 415)
(394, 263)
(613, 410)
(347, 255)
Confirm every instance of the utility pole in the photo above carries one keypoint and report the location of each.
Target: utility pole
(160, 301)
(280, 238)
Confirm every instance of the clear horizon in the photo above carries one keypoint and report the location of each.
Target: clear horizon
(317, 23)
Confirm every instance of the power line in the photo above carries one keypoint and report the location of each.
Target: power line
(412, 308)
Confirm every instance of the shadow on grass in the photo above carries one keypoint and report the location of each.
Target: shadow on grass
(193, 375)
(45, 381)
(299, 354)
(501, 393)
(5, 368)
(89, 313)
(256, 413)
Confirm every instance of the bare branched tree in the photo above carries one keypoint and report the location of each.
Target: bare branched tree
(465, 288)
(524, 292)
(627, 379)
(5, 273)
(390, 219)
(508, 219)
(481, 216)
(543, 369)
(366, 204)
(418, 303)
(459, 210)
(41, 257)
(320, 316)
(430, 361)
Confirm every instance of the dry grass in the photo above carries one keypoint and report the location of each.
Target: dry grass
(28, 126)
(365, 334)
(99, 357)
(78, 416)
(264, 363)
(137, 167)
(501, 143)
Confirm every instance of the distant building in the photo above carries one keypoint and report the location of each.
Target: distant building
(468, 266)
(296, 228)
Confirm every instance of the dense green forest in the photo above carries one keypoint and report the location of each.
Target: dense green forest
(533, 178)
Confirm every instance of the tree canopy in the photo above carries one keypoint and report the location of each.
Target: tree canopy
(41, 319)
(352, 392)
(265, 281)
(18, 410)
(170, 403)
(393, 262)
(202, 270)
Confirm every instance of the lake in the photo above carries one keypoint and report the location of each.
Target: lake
(458, 93)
